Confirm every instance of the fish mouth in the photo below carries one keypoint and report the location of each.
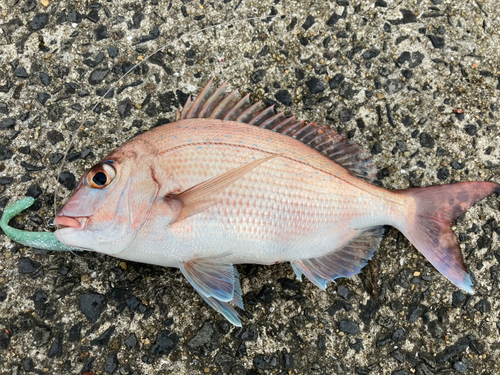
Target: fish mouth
(61, 222)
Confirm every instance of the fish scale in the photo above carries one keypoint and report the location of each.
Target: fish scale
(293, 197)
(203, 194)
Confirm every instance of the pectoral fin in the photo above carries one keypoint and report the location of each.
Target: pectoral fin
(203, 195)
(217, 282)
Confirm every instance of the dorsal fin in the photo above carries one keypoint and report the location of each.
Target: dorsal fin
(219, 105)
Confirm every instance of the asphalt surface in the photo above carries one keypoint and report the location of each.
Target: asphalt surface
(415, 82)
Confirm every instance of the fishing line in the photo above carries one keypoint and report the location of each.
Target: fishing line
(115, 84)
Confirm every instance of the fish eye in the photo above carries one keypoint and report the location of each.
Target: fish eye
(101, 175)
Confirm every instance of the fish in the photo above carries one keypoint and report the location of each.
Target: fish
(231, 182)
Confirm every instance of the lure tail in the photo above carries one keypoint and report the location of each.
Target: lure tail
(39, 240)
(428, 229)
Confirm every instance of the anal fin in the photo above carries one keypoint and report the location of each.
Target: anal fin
(345, 262)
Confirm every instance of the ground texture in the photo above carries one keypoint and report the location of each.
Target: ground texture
(416, 82)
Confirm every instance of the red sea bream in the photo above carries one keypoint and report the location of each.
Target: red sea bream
(230, 182)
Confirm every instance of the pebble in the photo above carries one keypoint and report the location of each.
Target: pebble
(4, 180)
(31, 167)
(416, 59)
(437, 41)
(392, 86)
(284, 97)
(483, 306)
(45, 79)
(345, 115)
(98, 75)
(112, 363)
(54, 136)
(443, 174)
(75, 332)
(43, 97)
(5, 153)
(258, 75)
(459, 366)
(250, 334)
(457, 165)
(308, 22)
(407, 17)
(399, 335)
(55, 157)
(288, 284)
(346, 91)
(71, 157)
(101, 33)
(349, 326)
(28, 364)
(414, 312)
(131, 341)
(7, 123)
(376, 149)
(470, 129)
(398, 356)
(384, 71)
(165, 343)
(27, 265)
(112, 51)
(452, 350)
(426, 140)
(56, 348)
(407, 73)
(322, 342)
(67, 179)
(344, 292)
(266, 294)
(371, 54)
(224, 359)
(104, 338)
(21, 72)
(39, 21)
(92, 305)
(74, 17)
(5, 335)
(315, 85)
(125, 108)
(34, 191)
(336, 81)
(93, 16)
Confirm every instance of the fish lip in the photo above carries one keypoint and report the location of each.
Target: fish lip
(77, 222)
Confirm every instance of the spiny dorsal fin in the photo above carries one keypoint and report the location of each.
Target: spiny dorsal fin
(218, 105)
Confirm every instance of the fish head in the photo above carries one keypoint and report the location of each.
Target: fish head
(109, 205)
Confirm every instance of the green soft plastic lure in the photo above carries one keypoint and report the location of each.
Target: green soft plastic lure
(39, 240)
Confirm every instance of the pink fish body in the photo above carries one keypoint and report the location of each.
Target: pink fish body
(230, 183)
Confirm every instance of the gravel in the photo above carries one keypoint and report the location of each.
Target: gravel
(415, 83)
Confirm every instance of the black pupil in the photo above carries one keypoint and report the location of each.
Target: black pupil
(100, 178)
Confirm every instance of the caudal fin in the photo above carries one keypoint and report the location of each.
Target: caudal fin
(436, 207)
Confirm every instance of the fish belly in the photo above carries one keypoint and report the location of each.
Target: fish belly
(283, 210)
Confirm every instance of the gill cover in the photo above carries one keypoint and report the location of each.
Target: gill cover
(112, 204)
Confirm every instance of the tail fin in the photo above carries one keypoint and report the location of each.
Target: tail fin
(436, 207)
